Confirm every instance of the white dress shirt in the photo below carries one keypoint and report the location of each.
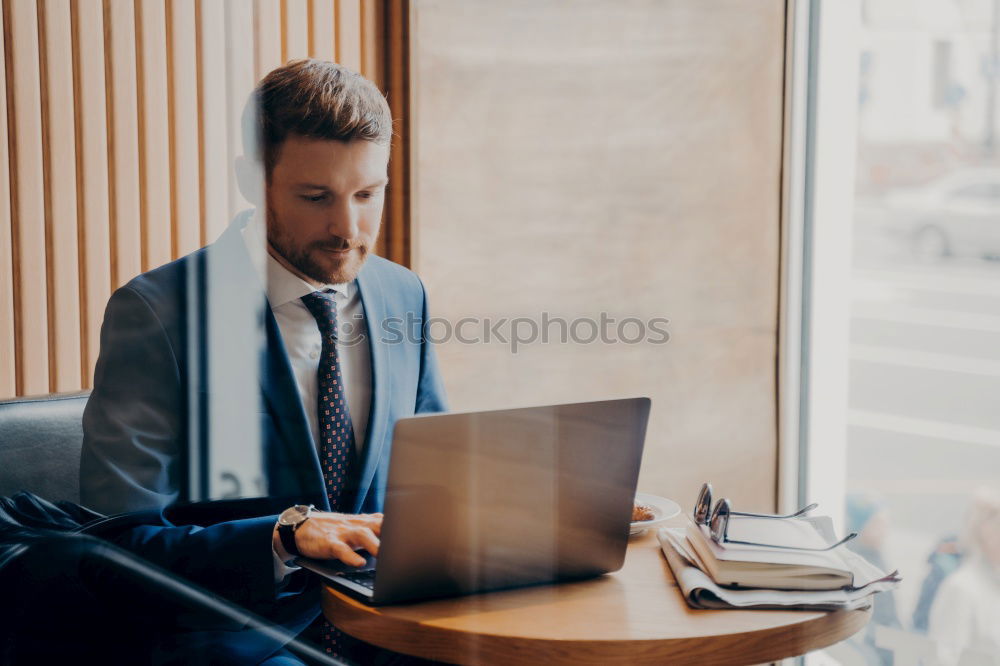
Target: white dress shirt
(303, 342)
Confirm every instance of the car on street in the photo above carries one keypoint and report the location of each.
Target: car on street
(957, 215)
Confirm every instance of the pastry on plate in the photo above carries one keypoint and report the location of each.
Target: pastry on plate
(641, 512)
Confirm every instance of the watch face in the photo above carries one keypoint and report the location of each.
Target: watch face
(294, 515)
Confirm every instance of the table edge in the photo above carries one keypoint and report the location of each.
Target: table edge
(461, 647)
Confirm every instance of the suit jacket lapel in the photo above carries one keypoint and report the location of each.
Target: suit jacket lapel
(296, 465)
(373, 300)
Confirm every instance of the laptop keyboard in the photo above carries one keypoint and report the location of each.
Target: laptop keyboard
(362, 578)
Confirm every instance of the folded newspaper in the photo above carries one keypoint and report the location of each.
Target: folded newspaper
(700, 591)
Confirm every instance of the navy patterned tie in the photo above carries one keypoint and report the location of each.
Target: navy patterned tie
(336, 432)
(336, 435)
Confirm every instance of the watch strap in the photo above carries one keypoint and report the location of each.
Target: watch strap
(287, 535)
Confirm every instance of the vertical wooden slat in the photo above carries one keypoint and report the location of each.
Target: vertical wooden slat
(214, 135)
(92, 175)
(296, 29)
(154, 132)
(59, 137)
(395, 241)
(349, 33)
(8, 356)
(123, 135)
(321, 26)
(185, 170)
(24, 109)
(239, 81)
(267, 28)
(371, 28)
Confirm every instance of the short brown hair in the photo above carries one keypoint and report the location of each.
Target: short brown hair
(313, 98)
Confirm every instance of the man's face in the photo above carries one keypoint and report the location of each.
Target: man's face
(324, 205)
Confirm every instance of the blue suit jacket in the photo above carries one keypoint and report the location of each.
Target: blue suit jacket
(144, 425)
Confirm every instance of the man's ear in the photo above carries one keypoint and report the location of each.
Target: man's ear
(250, 179)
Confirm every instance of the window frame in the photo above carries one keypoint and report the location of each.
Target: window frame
(822, 78)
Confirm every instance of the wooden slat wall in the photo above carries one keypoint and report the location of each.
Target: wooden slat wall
(154, 123)
(93, 183)
(349, 41)
(56, 30)
(123, 140)
(27, 198)
(120, 124)
(395, 237)
(295, 42)
(185, 171)
(8, 383)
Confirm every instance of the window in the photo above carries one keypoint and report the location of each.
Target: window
(941, 75)
(978, 191)
(901, 347)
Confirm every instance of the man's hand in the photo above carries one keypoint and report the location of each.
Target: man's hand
(335, 536)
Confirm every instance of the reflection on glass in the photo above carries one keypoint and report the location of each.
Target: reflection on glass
(923, 428)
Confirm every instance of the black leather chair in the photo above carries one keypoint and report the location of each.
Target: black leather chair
(58, 585)
(40, 442)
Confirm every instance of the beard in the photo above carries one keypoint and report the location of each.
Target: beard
(315, 260)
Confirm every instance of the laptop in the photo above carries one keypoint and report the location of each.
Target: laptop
(500, 499)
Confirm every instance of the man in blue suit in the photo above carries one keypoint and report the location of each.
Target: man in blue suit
(317, 147)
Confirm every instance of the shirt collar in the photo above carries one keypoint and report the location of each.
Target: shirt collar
(282, 286)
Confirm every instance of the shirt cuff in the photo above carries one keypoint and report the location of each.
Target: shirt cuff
(282, 568)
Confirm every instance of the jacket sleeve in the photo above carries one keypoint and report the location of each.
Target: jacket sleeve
(134, 425)
(232, 558)
(134, 458)
(430, 389)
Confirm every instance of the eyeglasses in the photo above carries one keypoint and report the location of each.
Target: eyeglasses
(717, 521)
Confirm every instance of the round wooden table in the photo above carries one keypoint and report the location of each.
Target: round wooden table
(635, 615)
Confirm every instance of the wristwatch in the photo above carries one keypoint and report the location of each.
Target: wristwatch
(290, 520)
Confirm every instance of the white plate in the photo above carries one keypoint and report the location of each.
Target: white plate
(663, 510)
